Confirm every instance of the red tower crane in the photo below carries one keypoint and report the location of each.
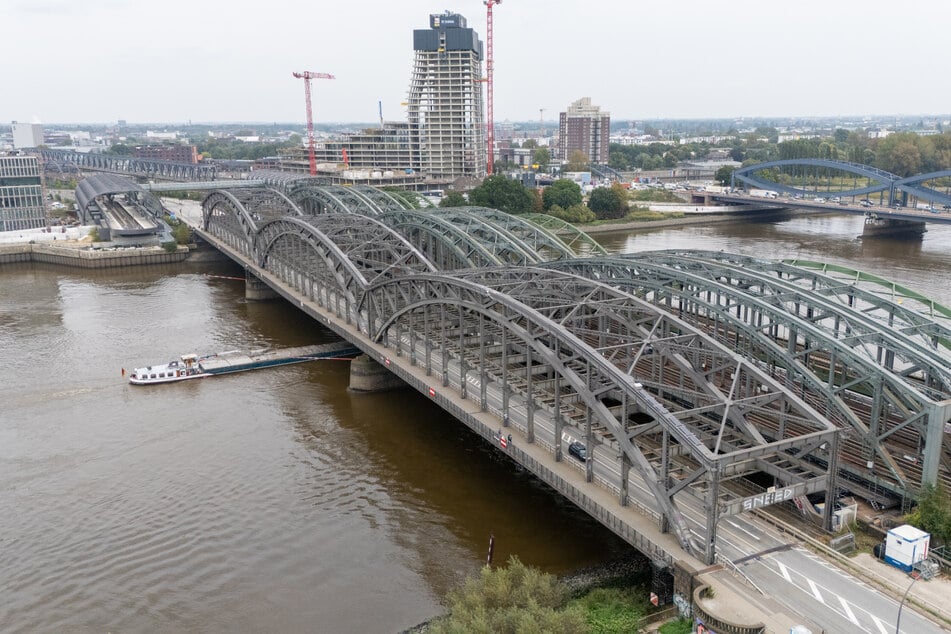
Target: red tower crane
(307, 76)
(490, 115)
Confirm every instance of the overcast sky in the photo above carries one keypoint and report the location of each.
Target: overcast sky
(67, 61)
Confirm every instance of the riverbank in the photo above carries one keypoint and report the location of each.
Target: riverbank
(79, 255)
(703, 218)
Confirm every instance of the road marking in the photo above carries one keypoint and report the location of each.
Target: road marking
(848, 611)
(815, 590)
(785, 572)
(878, 622)
(738, 527)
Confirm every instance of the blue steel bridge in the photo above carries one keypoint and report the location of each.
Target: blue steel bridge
(683, 373)
(805, 177)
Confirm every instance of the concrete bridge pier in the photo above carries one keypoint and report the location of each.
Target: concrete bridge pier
(255, 290)
(366, 375)
(877, 225)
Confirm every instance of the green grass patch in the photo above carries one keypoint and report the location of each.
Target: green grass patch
(680, 626)
(612, 610)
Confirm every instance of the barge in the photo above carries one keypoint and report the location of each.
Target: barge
(193, 366)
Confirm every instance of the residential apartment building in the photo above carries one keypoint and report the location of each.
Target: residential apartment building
(175, 153)
(586, 128)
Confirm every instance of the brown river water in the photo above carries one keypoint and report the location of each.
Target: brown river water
(275, 500)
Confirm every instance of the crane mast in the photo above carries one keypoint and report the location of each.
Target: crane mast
(307, 76)
(490, 115)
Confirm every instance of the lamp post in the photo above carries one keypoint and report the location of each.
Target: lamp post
(902, 604)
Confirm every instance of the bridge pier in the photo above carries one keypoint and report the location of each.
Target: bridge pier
(876, 225)
(366, 375)
(255, 290)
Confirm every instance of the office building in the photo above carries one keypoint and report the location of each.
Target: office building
(27, 135)
(586, 128)
(21, 194)
(445, 108)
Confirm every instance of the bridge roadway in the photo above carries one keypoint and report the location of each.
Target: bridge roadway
(807, 588)
(900, 213)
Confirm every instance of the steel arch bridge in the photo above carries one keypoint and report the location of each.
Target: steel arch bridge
(571, 365)
(897, 188)
(131, 166)
(672, 413)
(890, 391)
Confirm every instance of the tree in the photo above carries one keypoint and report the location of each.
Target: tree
(502, 193)
(541, 157)
(577, 162)
(608, 202)
(529, 144)
(933, 513)
(562, 192)
(511, 599)
(453, 199)
(840, 135)
(724, 175)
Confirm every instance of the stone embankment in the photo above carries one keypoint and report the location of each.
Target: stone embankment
(85, 258)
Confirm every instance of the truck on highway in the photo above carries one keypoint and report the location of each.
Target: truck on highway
(764, 193)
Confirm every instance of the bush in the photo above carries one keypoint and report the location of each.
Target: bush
(170, 247)
(933, 514)
(680, 626)
(512, 599)
(577, 214)
(182, 233)
(94, 235)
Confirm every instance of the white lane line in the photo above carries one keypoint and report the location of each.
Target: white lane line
(878, 622)
(848, 611)
(815, 591)
(784, 572)
(740, 528)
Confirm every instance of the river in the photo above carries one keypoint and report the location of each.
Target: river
(275, 500)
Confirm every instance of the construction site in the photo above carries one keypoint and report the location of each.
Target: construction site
(443, 144)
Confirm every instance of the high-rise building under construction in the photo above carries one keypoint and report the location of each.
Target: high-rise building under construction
(445, 98)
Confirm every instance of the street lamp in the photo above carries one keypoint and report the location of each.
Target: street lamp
(902, 604)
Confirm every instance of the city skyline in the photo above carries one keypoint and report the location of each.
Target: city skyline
(101, 61)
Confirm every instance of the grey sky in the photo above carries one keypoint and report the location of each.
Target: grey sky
(231, 60)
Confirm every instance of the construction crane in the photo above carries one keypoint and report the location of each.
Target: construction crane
(490, 123)
(307, 76)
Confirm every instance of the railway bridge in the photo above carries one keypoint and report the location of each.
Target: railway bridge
(701, 385)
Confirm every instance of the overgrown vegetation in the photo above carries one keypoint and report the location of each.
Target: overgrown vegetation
(520, 599)
(94, 234)
(933, 513)
(182, 233)
(170, 247)
(680, 626)
(514, 598)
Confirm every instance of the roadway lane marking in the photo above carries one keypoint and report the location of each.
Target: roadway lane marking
(785, 572)
(815, 590)
(878, 622)
(738, 527)
(848, 610)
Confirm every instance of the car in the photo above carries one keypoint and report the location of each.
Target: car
(819, 200)
(835, 199)
(866, 203)
(947, 207)
(578, 450)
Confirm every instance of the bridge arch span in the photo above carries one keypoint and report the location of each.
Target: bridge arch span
(445, 244)
(882, 180)
(572, 366)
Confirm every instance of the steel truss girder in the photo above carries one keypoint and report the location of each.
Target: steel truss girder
(900, 308)
(131, 165)
(226, 217)
(879, 344)
(498, 240)
(445, 244)
(580, 243)
(334, 199)
(544, 243)
(359, 250)
(382, 199)
(558, 316)
(663, 284)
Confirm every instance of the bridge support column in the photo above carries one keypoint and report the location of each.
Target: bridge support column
(366, 375)
(679, 586)
(255, 290)
(877, 225)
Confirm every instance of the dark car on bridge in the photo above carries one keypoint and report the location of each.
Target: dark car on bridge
(578, 450)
